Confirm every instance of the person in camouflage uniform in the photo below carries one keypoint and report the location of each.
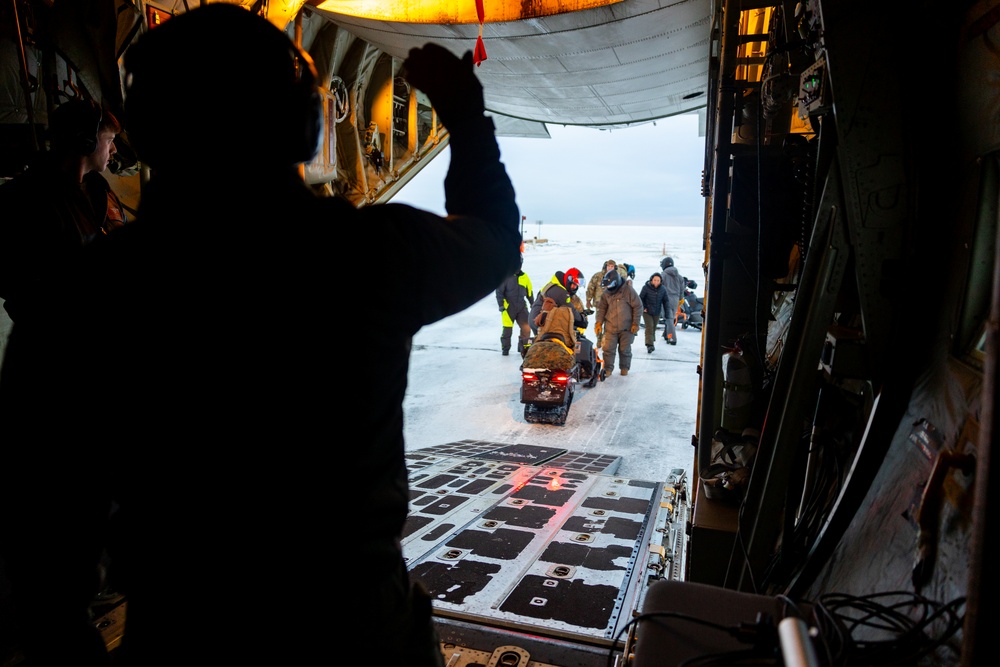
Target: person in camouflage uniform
(594, 288)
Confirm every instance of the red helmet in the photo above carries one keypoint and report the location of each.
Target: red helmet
(571, 279)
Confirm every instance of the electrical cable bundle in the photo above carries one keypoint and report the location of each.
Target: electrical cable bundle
(891, 628)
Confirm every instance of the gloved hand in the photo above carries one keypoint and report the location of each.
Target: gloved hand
(598, 327)
(448, 81)
(502, 309)
(634, 330)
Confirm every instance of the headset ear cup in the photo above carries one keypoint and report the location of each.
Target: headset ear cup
(75, 124)
(312, 127)
(308, 111)
(86, 137)
(86, 142)
(166, 78)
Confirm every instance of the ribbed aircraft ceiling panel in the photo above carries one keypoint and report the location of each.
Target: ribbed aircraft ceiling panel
(631, 62)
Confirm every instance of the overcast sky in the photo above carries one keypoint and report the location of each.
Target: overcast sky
(643, 175)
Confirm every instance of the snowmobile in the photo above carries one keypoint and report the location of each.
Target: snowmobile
(551, 371)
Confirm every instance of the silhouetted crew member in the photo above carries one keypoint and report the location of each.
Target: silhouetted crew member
(252, 445)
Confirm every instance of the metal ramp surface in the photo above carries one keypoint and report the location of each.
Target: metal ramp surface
(538, 540)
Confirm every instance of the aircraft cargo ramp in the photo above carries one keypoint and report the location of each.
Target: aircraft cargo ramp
(539, 553)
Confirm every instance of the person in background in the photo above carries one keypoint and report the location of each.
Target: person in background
(555, 283)
(629, 271)
(515, 297)
(673, 283)
(196, 447)
(594, 289)
(571, 281)
(617, 321)
(58, 204)
(562, 289)
(654, 301)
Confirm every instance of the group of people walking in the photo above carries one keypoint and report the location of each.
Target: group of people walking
(610, 296)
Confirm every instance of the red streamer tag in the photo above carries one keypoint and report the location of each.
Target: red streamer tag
(479, 54)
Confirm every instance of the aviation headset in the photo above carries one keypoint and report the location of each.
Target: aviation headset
(74, 126)
(172, 79)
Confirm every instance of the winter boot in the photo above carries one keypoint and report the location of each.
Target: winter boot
(649, 349)
(504, 347)
(522, 345)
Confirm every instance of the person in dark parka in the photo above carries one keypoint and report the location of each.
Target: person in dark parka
(673, 282)
(654, 301)
(617, 319)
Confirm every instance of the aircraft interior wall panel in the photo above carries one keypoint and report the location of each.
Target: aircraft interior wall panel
(979, 89)
(879, 551)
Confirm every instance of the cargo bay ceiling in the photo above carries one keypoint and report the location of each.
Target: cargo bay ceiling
(574, 62)
(596, 63)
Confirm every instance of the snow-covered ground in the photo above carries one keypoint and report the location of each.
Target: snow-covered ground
(462, 388)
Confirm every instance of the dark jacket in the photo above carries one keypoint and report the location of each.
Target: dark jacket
(673, 282)
(212, 429)
(654, 299)
(515, 295)
(46, 218)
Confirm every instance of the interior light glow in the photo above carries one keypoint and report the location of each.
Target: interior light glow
(448, 12)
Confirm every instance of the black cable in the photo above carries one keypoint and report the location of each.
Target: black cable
(894, 635)
(742, 545)
(835, 639)
(877, 630)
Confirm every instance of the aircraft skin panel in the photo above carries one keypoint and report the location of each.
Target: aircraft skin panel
(578, 59)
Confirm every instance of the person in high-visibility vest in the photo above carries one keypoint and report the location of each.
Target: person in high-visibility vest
(514, 297)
